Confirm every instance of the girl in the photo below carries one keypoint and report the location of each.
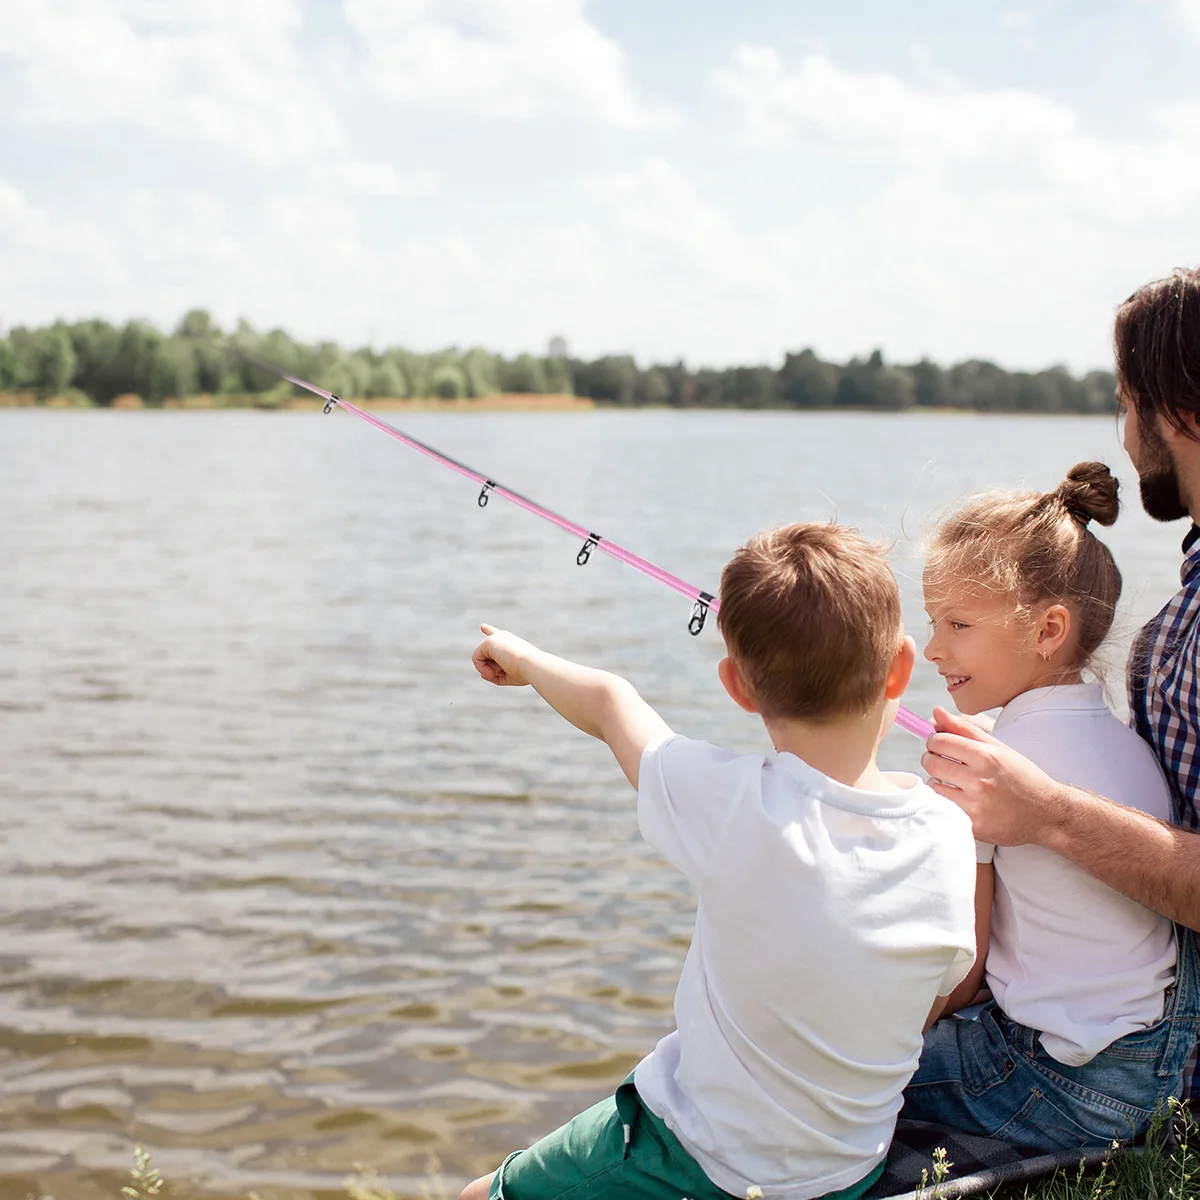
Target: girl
(1085, 1037)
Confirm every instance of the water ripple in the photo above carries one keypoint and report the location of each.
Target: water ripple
(283, 886)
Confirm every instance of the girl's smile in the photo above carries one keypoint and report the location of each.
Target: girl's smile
(988, 650)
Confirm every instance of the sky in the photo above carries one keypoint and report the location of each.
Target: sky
(717, 182)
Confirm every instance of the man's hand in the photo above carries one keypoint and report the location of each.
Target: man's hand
(1009, 800)
(1012, 803)
(501, 657)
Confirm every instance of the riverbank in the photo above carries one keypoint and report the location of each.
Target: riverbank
(501, 402)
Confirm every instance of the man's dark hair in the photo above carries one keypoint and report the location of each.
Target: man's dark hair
(1157, 341)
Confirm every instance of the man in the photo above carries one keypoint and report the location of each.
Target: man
(1009, 800)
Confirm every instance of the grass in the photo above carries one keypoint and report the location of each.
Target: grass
(1166, 1168)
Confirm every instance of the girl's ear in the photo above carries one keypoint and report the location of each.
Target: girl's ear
(900, 672)
(1053, 630)
(735, 685)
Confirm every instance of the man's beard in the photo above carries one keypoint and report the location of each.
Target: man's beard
(1159, 482)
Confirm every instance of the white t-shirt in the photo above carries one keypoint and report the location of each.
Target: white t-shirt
(1068, 955)
(828, 920)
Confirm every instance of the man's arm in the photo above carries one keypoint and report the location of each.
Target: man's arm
(603, 705)
(1013, 803)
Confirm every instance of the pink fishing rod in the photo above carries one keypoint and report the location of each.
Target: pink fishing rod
(702, 602)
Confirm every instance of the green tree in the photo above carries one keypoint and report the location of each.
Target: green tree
(344, 377)
(612, 379)
(386, 380)
(708, 388)
(653, 387)
(418, 370)
(8, 365)
(1100, 391)
(210, 363)
(52, 360)
(873, 384)
(449, 382)
(807, 382)
(929, 382)
(1065, 393)
(982, 386)
(558, 381)
(198, 323)
(95, 345)
(138, 363)
(750, 387)
(482, 370)
(176, 373)
(524, 374)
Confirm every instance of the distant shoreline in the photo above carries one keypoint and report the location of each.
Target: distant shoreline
(501, 402)
(515, 402)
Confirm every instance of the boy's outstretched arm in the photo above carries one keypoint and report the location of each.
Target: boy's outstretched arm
(604, 705)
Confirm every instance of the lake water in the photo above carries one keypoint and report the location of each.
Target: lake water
(283, 886)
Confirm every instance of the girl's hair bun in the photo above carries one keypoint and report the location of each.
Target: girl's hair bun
(1089, 493)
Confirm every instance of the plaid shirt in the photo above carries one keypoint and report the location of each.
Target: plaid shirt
(1164, 700)
(1164, 686)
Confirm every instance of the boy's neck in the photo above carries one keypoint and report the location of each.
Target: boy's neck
(843, 748)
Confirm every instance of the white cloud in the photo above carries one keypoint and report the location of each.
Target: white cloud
(353, 177)
(1189, 12)
(880, 114)
(46, 258)
(1020, 25)
(223, 71)
(644, 263)
(1015, 20)
(1006, 139)
(922, 214)
(496, 58)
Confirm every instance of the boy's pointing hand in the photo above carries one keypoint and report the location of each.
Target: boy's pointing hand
(501, 657)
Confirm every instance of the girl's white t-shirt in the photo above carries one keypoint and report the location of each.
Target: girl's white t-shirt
(1070, 956)
(828, 919)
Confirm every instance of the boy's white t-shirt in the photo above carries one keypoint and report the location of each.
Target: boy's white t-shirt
(1068, 955)
(828, 920)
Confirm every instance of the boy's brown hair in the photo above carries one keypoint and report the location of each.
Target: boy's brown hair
(810, 614)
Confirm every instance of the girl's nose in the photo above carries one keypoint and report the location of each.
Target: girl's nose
(931, 650)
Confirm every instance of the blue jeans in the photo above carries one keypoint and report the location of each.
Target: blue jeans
(990, 1076)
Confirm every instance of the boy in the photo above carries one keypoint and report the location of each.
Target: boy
(824, 884)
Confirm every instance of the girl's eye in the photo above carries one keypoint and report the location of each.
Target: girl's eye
(957, 625)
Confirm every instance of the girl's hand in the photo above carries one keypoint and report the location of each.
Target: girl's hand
(501, 657)
(1010, 801)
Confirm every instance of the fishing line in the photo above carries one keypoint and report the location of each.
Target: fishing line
(702, 602)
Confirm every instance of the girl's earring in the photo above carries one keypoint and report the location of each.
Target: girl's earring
(1045, 656)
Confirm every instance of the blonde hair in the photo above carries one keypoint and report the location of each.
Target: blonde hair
(810, 613)
(1035, 547)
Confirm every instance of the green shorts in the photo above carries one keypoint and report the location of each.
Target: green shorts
(617, 1148)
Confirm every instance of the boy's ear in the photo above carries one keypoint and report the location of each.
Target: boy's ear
(900, 672)
(735, 685)
(1054, 627)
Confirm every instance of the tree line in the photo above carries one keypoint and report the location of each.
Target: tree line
(94, 362)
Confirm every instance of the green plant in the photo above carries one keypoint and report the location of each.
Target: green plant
(365, 1183)
(941, 1172)
(144, 1181)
